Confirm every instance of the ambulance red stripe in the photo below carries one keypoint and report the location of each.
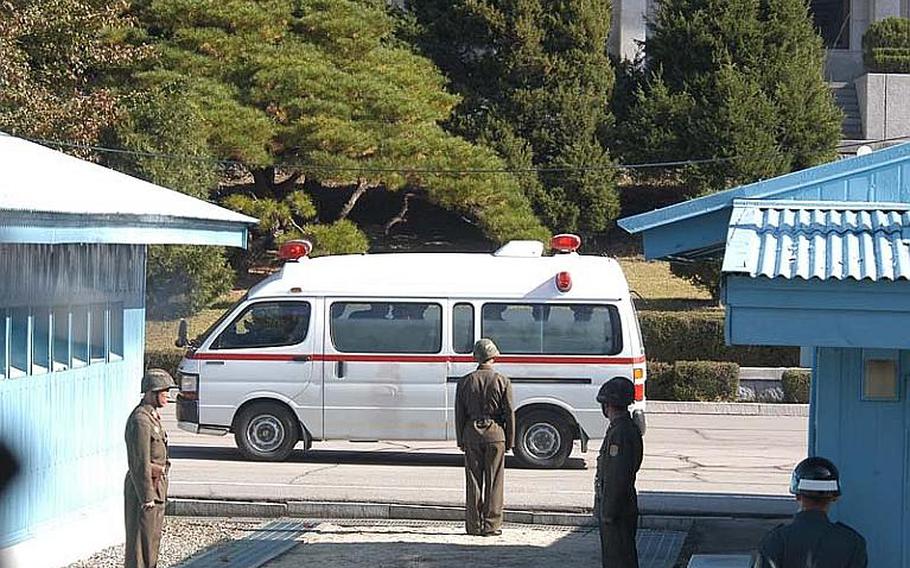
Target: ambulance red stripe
(355, 358)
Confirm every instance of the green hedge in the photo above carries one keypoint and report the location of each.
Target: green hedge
(699, 336)
(795, 383)
(886, 46)
(167, 359)
(699, 381)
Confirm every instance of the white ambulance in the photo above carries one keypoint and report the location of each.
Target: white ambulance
(370, 347)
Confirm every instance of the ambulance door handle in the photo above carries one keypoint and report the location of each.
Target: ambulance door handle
(339, 369)
(301, 358)
(214, 362)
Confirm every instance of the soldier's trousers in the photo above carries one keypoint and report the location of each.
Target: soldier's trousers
(617, 542)
(484, 468)
(143, 530)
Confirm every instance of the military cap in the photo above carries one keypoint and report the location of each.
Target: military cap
(618, 391)
(815, 477)
(157, 380)
(484, 350)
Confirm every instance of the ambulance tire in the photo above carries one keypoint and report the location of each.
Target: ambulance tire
(266, 431)
(543, 439)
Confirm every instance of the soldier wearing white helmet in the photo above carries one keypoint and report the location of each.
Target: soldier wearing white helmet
(811, 540)
(485, 429)
(145, 487)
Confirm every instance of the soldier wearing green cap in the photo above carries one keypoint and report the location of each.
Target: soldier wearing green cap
(145, 488)
(485, 429)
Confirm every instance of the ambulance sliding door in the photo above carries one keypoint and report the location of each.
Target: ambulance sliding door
(384, 370)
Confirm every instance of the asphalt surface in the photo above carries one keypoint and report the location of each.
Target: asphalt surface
(720, 461)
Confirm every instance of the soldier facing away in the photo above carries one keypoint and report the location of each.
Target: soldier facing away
(145, 487)
(485, 429)
(811, 540)
(615, 500)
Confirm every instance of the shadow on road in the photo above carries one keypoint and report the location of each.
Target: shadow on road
(347, 457)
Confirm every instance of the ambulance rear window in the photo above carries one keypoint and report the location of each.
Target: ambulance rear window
(553, 329)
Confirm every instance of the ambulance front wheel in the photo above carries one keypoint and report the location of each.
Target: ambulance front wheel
(266, 431)
(543, 439)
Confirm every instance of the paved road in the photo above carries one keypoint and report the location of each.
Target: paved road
(750, 455)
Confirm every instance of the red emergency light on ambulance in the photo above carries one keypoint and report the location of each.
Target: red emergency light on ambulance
(370, 347)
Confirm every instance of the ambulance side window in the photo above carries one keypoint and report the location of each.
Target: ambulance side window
(266, 324)
(386, 327)
(553, 329)
(463, 328)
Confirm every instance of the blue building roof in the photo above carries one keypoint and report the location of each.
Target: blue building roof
(699, 227)
(50, 197)
(823, 240)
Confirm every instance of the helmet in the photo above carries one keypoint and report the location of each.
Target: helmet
(618, 391)
(815, 477)
(157, 380)
(484, 350)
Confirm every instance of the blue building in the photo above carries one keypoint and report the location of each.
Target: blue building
(73, 239)
(820, 259)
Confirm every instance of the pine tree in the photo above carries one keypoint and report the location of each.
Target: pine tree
(535, 78)
(739, 80)
(319, 91)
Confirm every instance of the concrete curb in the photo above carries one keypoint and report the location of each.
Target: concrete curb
(392, 511)
(727, 408)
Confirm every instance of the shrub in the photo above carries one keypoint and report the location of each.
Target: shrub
(703, 274)
(659, 385)
(706, 381)
(795, 383)
(886, 46)
(182, 280)
(167, 359)
(699, 336)
(701, 381)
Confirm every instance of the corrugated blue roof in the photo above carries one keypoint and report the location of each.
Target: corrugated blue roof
(824, 240)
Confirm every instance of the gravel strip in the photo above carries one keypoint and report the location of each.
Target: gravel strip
(182, 537)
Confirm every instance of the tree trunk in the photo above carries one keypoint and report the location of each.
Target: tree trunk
(264, 180)
(400, 217)
(361, 189)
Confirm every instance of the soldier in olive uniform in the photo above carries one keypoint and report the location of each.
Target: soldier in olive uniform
(485, 429)
(811, 540)
(145, 488)
(615, 500)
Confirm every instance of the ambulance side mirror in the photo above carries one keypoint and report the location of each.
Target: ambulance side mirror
(182, 331)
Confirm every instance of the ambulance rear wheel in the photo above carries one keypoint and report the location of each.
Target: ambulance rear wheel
(266, 431)
(543, 440)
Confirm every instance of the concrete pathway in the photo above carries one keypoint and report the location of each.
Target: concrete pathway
(429, 544)
(684, 455)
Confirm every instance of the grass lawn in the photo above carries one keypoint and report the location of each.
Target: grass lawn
(652, 280)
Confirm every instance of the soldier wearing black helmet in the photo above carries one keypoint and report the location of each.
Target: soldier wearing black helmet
(811, 540)
(615, 500)
(145, 487)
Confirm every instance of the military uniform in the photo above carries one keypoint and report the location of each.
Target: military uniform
(485, 429)
(146, 481)
(812, 541)
(616, 503)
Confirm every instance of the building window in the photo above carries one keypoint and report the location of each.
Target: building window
(386, 327)
(116, 331)
(62, 348)
(266, 324)
(880, 380)
(556, 329)
(19, 342)
(832, 20)
(463, 328)
(41, 341)
(4, 344)
(79, 330)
